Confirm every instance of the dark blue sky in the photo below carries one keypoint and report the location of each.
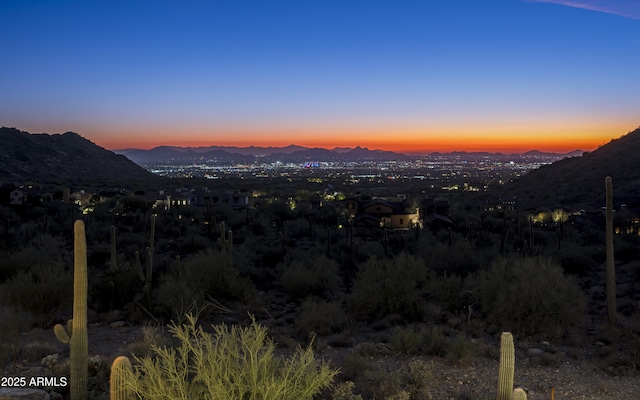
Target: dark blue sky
(432, 75)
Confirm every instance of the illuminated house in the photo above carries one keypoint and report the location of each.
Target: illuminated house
(380, 213)
(394, 214)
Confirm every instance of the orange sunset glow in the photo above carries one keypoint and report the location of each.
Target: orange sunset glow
(505, 139)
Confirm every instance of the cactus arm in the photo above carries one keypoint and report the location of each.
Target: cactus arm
(61, 333)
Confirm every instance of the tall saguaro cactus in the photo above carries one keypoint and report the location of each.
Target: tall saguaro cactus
(611, 269)
(226, 244)
(151, 242)
(76, 334)
(114, 254)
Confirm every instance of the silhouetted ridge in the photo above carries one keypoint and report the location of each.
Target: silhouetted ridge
(580, 180)
(68, 156)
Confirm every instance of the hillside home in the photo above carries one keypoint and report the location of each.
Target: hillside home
(397, 213)
(435, 213)
(380, 213)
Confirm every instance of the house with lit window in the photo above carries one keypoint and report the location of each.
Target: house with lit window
(380, 213)
(397, 213)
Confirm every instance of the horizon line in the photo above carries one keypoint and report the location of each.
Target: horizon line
(403, 152)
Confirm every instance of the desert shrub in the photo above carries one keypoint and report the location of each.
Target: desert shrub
(231, 363)
(320, 316)
(175, 296)
(313, 277)
(205, 277)
(434, 342)
(344, 391)
(113, 290)
(298, 228)
(152, 335)
(452, 292)
(42, 291)
(530, 296)
(210, 273)
(389, 286)
(377, 383)
(412, 340)
(406, 340)
(13, 321)
(355, 365)
(42, 247)
(462, 349)
(417, 378)
(461, 258)
(576, 259)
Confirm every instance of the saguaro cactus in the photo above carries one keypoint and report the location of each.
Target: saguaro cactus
(119, 369)
(519, 394)
(226, 244)
(507, 367)
(146, 278)
(151, 242)
(506, 371)
(76, 333)
(611, 269)
(114, 254)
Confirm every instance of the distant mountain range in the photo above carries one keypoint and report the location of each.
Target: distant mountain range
(576, 179)
(580, 180)
(291, 153)
(62, 157)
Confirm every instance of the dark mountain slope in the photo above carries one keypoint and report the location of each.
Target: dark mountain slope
(579, 181)
(69, 156)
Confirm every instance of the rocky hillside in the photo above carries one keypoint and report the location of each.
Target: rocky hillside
(580, 180)
(58, 157)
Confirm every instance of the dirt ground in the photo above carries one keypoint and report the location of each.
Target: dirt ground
(569, 376)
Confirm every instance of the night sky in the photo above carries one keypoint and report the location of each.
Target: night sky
(498, 75)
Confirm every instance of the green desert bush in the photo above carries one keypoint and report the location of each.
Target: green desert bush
(13, 321)
(417, 378)
(530, 296)
(344, 391)
(320, 316)
(42, 247)
(452, 292)
(389, 286)
(462, 349)
(312, 277)
(406, 340)
(434, 342)
(231, 363)
(207, 274)
(41, 290)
